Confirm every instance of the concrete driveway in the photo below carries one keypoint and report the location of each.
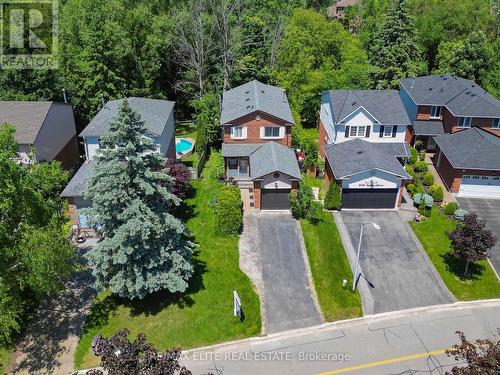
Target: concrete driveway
(272, 254)
(489, 210)
(393, 261)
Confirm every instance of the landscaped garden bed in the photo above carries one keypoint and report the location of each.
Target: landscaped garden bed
(202, 316)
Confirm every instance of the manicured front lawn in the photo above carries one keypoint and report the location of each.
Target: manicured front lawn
(329, 266)
(201, 317)
(481, 283)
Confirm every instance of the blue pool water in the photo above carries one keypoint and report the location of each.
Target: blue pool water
(183, 146)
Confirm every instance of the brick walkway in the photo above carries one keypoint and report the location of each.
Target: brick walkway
(447, 196)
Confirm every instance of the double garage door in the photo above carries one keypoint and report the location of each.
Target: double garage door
(369, 198)
(480, 186)
(274, 199)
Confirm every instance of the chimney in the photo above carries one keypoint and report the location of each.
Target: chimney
(64, 95)
(284, 96)
(102, 100)
(412, 82)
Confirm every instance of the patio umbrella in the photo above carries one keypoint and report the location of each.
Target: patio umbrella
(426, 197)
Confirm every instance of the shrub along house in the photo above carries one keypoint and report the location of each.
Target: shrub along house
(362, 139)
(440, 104)
(158, 118)
(47, 127)
(257, 125)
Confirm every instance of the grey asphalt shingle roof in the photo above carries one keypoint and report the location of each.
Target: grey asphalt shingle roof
(461, 96)
(76, 186)
(26, 117)
(473, 148)
(255, 96)
(428, 127)
(356, 156)
(274, 157)
(238, 150)
(385, 105)
(154, 113)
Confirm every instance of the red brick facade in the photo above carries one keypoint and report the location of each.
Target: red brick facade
(452, 178)
(256, 194)
(450, 122)
(253, 129)
(72, 211)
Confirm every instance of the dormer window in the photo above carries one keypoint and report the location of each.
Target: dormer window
(496, 123)
(464, 122)
(436, 112)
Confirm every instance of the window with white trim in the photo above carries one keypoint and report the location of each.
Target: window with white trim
(271, 132)
(388, 131)
(237, 131)
(464, 122)
(357, 131)
(436, 111)
(496, 123)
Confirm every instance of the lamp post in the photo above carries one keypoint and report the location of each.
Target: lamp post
(376, 226)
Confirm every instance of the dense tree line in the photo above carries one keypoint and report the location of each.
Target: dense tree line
(191, 50)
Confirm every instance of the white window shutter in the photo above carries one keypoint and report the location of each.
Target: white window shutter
(232, 132)
(282, 132)
(244, 132)
(262, 132)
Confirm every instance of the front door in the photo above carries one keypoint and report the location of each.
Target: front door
(243, 168)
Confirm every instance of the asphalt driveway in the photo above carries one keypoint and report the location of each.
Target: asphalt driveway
(392, 259)
(272, 254)
(489, 210)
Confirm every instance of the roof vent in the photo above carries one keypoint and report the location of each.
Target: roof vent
(360, 152)
(445, 78)
(262, 91)
(473, 95)
(247, 92)
(247, 99)
(353, 103)
(441, 89)
(430, 88)
(467, 92)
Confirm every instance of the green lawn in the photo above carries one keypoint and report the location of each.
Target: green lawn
(185, 130)
(205, 314)
(480, 284)
(329, 266)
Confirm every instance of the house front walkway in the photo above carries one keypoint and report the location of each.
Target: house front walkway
(447, 196)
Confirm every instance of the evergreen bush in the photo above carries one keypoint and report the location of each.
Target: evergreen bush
(428, 179)
(228, 210)
(333, 198)
(436, 192)
(413, 156)
(451, 208)
(420, 166)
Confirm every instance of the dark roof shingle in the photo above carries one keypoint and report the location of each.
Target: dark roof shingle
(432, 127)
(385, 105)
(355, 156)
(462, 97)
(473, 148)
(26, 117)
(154, 113)
(255, 96)
(76, 185)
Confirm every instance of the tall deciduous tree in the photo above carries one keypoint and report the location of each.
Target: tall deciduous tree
(472, 59)
(393, 48)
(34, 255)
(207, 119)
(470, 240)
(144, 249)
(481, 357)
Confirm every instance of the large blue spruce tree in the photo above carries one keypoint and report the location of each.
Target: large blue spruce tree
(143, 249)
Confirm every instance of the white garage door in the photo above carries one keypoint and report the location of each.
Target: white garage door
(480, 186)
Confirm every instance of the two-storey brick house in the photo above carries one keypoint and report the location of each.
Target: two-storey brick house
(440, 107)
(256, 123)
(362, 139)
(158, 118)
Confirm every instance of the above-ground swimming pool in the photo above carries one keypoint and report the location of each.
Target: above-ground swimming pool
(183, 146)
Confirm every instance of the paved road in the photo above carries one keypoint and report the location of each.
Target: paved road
(393, 260)
(408, 342)
(49, 343)
(272, 254)
(489, 210)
